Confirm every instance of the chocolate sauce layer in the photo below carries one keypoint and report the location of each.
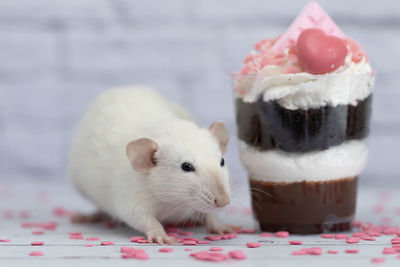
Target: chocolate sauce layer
(267, 125)
(305, 207)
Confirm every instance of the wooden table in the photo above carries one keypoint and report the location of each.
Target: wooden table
(30, 202)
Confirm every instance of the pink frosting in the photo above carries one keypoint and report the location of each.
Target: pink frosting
(282, 52)
(263, 56)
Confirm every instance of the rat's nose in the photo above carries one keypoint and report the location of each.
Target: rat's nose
(221, 202)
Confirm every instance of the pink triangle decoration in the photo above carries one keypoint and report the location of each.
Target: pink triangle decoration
(312, 16)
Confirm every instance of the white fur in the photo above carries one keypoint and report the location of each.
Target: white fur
(101, 171)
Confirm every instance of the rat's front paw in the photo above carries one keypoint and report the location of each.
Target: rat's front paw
(213, 225)
(160, 237)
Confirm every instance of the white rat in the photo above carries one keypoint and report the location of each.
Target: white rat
(141, 159)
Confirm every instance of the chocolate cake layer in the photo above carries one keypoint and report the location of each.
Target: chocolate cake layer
(305, 207)
(267, 125)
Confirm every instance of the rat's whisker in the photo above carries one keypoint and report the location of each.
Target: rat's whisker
(171, 212)
(254, 190)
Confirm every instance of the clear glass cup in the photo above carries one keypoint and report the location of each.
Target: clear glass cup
(303, 164)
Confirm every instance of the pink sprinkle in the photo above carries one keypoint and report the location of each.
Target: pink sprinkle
(229, 236)
(209, 256)
(357, 223)
(37, 232)
(358, 234)
(299, 252)
(398, 234)
(365, 227)
(253, 245)
(295, 242)
(131, 252)
(127, 249)
(327, 236)
(128, 256)
(353, 240)
(47, 225)
(237, 254)
(378, 260)
(5, 240)
(333, 251)
(216, 249)
(389, 251)
(107, 243)
(368, 238)
(188, 249)
(390, 230)
(92, 238)
(378, 209)
(341, 236)
(395, 241)
(136, 238)
(248, 58)
(89, 245)
(246, 231)
(24, 214)
(75, 233)
(189, 243)
(142, 241)
(76, 237)
(213, 237)
(373, 233)
(142, 256)
(36, 253)
(313, 251)
(8, 214)
(203, 242)
(186, 233)
(37, 243)
(352, 251)
(61, 212)
(190, 239)
(165, 250)
(266, 234)
(282, 234)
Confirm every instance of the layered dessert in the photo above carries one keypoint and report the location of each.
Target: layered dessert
(303, 105)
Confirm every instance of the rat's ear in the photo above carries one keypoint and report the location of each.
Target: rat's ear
(140, 153)
(219, 131)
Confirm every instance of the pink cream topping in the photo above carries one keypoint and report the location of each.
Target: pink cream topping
(313, 43)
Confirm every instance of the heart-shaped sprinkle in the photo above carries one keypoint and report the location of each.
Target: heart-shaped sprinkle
(319, 53)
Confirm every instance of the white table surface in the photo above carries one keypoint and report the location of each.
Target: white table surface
(59, 250)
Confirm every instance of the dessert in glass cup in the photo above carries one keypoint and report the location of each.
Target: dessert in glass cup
(303, 104)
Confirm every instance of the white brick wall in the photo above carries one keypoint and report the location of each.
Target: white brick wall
(56, 56)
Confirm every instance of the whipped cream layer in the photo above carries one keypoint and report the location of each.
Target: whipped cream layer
(347, 85)
(345, 160)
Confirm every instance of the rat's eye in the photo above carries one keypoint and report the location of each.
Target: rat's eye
(187, 167)
(222, 163)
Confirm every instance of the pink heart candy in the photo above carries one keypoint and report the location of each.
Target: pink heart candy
(319, 53)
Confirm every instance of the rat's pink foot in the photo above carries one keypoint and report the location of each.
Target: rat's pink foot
(160, 237)
(90, 218)
(214, 226)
